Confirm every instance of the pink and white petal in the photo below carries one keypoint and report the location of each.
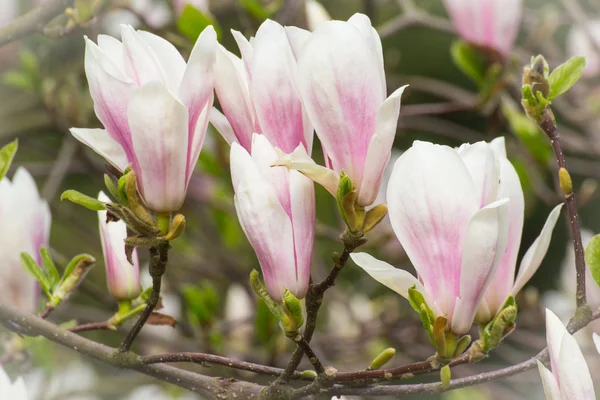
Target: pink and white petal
(316, 14)
(222, 125)
(265, 223)
(510, 187)
(575, 379)
(159, 129)
(484, 167)
(196, 140)
(297, 37)
(168, 56)
(380, 148)
(535, 254)
(110, 90)
(363, 24)
(246, 51)
(198, 82)
(100, 141)
(596, 339)
(140, 63)
(431, 199)
(302, 195)
(264, 155)
(300, 161)
(276, 102)
(231, 86)
(484, 314)
(555, 332)
(507, 19)
(113, 49)
(339, 83)
(551, 389)
(483, 247)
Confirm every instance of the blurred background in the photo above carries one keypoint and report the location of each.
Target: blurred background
(43, 92)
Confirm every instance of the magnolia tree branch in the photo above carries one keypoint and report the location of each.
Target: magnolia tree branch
(212, 388)
(33, 22)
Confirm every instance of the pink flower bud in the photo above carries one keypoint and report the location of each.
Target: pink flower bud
(154, 109)
(25, 227)
(276, 209)
(122, 277)
(488, 23)
(570, 377)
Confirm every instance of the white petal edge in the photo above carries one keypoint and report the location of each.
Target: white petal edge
(575, 379)
(551, 389)
(100, 141)
(222, 125)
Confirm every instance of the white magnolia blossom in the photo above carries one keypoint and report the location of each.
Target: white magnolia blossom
(12, 390)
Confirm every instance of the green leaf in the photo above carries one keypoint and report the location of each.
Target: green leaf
(565, 76)
(417, 301)
(73, 264)
(257, 9)
(592, 258)
(49, 267)
(202, 301)
(33, 269)
(7, 153)
(83, 200)
(18, 80)
(192, 22)
(529, 134)
(29, 62)
(469, 61)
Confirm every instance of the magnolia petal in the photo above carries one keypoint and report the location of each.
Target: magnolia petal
(110, 90)
(510, 187)
(297, 37)
(171, 61)
(363, 24)
(222, 125)
(196, 140)
(301, 162)
(100, 141)
(483, 247)
(431, 199)
(551, 389)
(596, 339)
(394, 278)
(302, 195)
(266, 225)
(575, 379)
(535, 254)
(113, 49)
(484, 167)
(555, 332)
(159, 129)
(246, 50)
(140, 63)
(122, 277)
(316, 14)
(196, 89)
(276, 102)
(340, 86)
(231, 86)
(380, 148)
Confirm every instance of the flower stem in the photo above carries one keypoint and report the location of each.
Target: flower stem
(163, 222)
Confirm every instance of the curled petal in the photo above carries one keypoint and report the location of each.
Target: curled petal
(100, 141)
(551, 389)
(140, 62)
(535, 254)
(222, 125)
(484, 167)
(301, 162)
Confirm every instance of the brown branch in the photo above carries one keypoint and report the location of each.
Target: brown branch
(33, 22)
(209, 387)
(92, 326)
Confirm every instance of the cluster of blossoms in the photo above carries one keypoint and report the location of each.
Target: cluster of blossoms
(458, 213)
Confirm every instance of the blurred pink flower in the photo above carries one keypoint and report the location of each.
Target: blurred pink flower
(487, 23)
(25, 227)
(580, 44)
(154, 109)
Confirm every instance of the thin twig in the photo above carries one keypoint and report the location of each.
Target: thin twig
(92, 326)
(33, 22)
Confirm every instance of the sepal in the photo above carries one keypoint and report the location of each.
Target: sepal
(501, 326)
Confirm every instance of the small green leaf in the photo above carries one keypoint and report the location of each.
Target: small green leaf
(83, 200)
(202, 301)
(7, 153)
(529, 134)
(192, 22)
(592, 258)
(49, 267)
(258, 10)
(29, 62)
(18, 80)
(469, 61)
(73, 264)
(33, 269)
(565, 76)
(417, 301)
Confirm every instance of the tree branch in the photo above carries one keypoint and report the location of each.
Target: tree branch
(212, 388)
(33, 22)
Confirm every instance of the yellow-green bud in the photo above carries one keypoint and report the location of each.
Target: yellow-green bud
(383, 358)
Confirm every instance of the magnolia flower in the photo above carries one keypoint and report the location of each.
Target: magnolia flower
(154, 109)
(9, 9)
(342, 85)
(492, 24)
(580, 44)
(570, 378)
(596, 339)
(447, 210)
(276, 209)
(25, 227)
(316, 14)
(258, 94)
(505, 284)
(122, 277)
(12, 391)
